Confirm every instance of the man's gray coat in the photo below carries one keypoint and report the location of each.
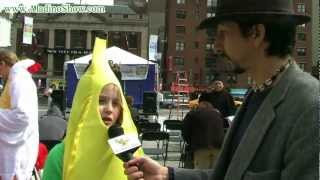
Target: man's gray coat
(282, 140)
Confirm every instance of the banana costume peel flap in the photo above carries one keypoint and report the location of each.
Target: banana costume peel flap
(87, 154)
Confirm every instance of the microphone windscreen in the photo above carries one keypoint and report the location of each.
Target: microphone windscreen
(122, 145)
(115, 131)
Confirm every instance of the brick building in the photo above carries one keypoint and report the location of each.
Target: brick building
(192, 51)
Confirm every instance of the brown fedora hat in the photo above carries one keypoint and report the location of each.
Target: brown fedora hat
(279, 11)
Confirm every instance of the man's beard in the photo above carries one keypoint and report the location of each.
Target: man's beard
(236, 68)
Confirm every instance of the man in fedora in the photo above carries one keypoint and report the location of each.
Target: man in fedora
(274, 136)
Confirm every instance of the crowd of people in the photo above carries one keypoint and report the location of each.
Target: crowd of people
(274, 134)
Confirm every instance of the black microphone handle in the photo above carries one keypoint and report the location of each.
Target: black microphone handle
(125, 156)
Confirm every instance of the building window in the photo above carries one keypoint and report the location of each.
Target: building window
(180, 46)
(180, 29)
(211, 14)
(211, 3)
(41, 37)
(132, 39)
(181, 1)
(179, 61)
(78, 38)
(301, 51)
(181, 14)
(301, 8)
(196, 44)
(210, 62)
(301, 28)
(197, 14)
(209, 46)
(196, 60)
(110, 15)
(125, 16)
(302, 66)
(58, 64)
(60, 38)
(301, 36)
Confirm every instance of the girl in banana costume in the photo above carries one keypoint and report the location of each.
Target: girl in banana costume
(84, 153)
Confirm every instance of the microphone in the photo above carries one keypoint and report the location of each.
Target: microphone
(123, 146)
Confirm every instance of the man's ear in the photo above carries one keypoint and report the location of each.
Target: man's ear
(258, 34)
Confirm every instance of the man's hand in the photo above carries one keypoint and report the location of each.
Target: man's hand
(144, 168)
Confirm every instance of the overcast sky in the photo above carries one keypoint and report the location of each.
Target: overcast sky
(6, 3)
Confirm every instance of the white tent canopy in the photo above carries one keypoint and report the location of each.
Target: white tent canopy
(117, 55)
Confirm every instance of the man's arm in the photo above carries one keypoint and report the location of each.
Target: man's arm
(191, 174)
(148, 169)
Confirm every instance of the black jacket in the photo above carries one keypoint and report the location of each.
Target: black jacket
(221, 100)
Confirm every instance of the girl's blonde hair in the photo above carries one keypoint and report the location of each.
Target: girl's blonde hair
(8, 57)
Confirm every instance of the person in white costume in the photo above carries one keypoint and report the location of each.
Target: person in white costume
(19, 136)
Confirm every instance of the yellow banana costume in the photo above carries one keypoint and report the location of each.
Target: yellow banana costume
(87, 155)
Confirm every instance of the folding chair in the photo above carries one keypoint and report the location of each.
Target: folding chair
(148, 126)
(157, 144)
(139, 122)
(175, 144)
(172, 125)
(143, 121)
(174, 128)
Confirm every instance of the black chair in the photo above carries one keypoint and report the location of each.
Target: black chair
(176, 142)
(143, 121)
(172, 125)
(158, 144)
(139, 122)
(174, 128)
(148, 126)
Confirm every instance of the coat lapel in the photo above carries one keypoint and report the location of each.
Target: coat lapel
(250, 141)
(257, 129)
(222, 163)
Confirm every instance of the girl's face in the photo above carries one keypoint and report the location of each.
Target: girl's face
(110, 104)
